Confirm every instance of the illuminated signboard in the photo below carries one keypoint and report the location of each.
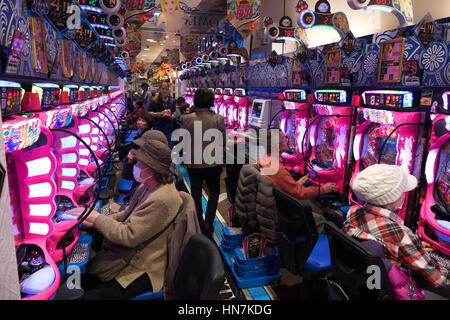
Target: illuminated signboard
(388, 98)
(21, 134)
(295, 95)
(239, 92)
(331, 96)
(323, 110)
(401, 9)
(378, 116)
(59, 118)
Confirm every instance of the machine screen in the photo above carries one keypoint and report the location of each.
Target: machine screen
(324, 150)
(331, 96)
(373, 141)
(256, 110)
(50, 97)
(10, 99)
(442, 184)
(297, 95)
(391, 99)
(291, 136)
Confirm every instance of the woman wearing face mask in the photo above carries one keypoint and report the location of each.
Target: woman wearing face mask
(383, 189)
(149, 215)
(162, 108)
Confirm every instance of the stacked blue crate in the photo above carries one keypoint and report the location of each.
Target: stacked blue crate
(251, 272)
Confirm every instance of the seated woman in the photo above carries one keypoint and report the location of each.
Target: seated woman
(383, 189)
(144, 122)
(149, 216)
(281, 179)
(130, 161)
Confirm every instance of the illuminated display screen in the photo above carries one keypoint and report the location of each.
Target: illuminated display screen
(295, 95)
(228, 92)
(392, 99)
(219, 91)
(240, 92)
(446, 99)
(50, 96)
(331, 96)
(442, 194)
(96, 18)
(10, 99)
(324, 19)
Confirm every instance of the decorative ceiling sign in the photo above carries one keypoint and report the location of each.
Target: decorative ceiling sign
(244, 15)
(172, 18)
(37, 7)
(302, 53)
(322, 18)
(139, 12)
(428, 31)
(402, 9)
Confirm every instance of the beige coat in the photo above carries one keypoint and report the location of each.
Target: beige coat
(153, 212)
(209, 120)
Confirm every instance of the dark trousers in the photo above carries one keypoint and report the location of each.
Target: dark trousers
(112, 290)
(212, 178)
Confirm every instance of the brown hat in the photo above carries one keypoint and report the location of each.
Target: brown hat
(151, 135)
(155, 155)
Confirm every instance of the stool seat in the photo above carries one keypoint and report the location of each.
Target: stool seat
(125, 186)
(319, 259)
(121, 200)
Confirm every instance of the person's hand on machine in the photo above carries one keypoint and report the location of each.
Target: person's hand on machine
(427, 247)
(114, 207)
(328, 187)
(303, 180)
(90, 220)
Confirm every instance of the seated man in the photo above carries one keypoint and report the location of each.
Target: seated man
(383, 188)
(137, 234)
(282, 179)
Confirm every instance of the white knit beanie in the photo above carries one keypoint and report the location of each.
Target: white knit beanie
(382, 184)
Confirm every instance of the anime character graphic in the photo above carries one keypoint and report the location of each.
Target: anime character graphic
(340, 23)
(13, 142)
(173, 18)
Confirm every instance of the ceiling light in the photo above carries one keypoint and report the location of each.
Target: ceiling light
(151, 40)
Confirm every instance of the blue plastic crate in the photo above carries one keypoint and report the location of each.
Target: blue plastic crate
(228, 256)
(255, 272)
(261, 261)
(79, 256)
(233, 237)
(256, 281)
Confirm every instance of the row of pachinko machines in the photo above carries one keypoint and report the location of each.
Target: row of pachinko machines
(58, 141)
(333, 134)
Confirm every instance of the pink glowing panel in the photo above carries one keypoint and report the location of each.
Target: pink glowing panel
(20, 133)
(437, 171)
(399, 149)
(329, 139)
(294, 122)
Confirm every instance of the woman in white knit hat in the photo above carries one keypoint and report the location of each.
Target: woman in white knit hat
(383, 189)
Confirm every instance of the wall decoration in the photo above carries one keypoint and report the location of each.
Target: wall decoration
(244, 15)
(332, 66)
(39, 45)
(296, 72)
(391, 60)
(189, 46)
(67, 66)
(15, 53)
(90, 71)
(81, 69)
